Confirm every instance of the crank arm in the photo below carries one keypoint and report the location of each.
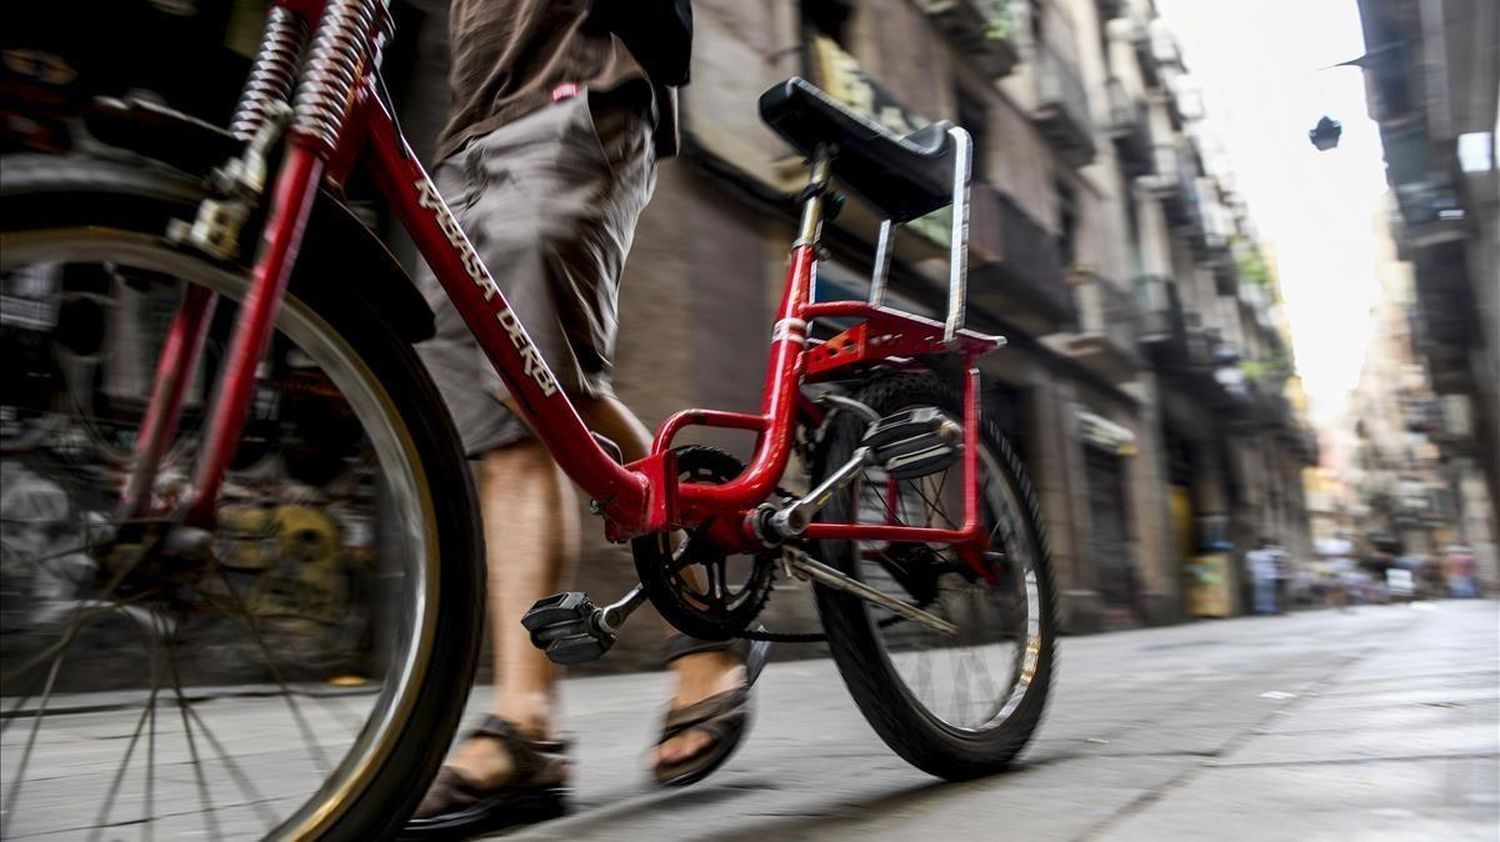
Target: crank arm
(611, 617)
(793, 519)
(811, 568)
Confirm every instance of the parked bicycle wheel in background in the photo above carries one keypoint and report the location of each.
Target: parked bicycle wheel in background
(955, 706)
(310, 671)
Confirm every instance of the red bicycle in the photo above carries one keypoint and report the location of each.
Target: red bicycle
(917, 526)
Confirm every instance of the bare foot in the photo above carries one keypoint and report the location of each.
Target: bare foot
(699, 675)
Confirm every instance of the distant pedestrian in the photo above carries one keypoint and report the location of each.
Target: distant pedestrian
(1458, 565)
(1283, 560)
(1262, 564)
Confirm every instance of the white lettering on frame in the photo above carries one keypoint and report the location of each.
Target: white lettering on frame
(535, 366)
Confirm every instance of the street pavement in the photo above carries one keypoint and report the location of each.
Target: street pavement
(1377, 723)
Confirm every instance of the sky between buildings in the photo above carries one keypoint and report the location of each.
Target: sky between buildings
(1259, 67)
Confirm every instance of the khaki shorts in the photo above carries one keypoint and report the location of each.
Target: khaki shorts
(550, 203)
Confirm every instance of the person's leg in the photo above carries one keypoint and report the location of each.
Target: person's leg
(701, 674)
(530, 517)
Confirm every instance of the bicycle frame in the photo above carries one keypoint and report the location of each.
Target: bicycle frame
(635, 499)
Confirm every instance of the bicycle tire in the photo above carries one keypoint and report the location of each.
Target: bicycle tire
(48, 201)
(854, 638)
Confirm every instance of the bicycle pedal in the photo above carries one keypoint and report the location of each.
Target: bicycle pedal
(565, 626)
(914, 443)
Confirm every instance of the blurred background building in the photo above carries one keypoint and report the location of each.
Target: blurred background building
(1428, 406)
(1149, 382)
(1400, 481)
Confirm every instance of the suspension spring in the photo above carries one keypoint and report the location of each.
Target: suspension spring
(272, 73)
(346, 37)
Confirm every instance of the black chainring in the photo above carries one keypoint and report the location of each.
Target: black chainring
(720, 611)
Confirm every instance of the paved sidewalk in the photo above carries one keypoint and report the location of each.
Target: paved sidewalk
(1381, 723)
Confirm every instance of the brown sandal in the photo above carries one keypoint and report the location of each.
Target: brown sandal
(456, 809)
(724, 716)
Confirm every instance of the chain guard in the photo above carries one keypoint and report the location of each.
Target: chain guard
(704, 615)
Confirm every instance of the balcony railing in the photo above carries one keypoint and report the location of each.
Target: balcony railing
(981, 29)
(1162, 320)
(1016, 274)
(1130, 129)
(1172, 180)
(1107, 333)
(1062, 111)
(1106, 310)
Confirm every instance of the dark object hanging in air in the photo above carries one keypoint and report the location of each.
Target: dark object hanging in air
(1325, 135)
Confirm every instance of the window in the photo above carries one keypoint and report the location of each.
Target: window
(1067, 224)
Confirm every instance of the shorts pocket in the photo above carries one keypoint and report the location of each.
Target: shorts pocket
(586, 135)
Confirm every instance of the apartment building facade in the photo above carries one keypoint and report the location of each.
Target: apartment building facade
(1432, 80)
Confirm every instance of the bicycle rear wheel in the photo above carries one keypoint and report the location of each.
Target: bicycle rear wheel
(960, 706)
(302, 683)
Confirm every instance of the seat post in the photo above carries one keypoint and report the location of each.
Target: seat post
(958, 255)
(882, 264)
(819, 176)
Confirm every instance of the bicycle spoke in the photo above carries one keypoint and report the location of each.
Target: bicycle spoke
(101, 820)
(146, 831)
(307, 733)
(70, 635)
(916, 486)
(885, 505)
(256, 798)
(36, 726)
(204, 793)
(960, 670)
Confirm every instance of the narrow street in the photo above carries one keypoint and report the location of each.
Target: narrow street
(1381, 723)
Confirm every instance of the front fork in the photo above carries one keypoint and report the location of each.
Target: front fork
(295, 189)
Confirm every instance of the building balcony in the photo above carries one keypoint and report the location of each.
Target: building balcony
(1454, 431)
(1171, 182)
(1443, 319)
(1016, 273)
(1302, 442)
(1178, 345)
(1105, 341)
(980, 29)
(1265, 406)
(1062, 106)
(1163, 324)
(1140, 39)
(1130, 129)
(1203, 343)
(1433, 214)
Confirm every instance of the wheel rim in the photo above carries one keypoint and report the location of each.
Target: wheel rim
(974, 682)
(345, 736)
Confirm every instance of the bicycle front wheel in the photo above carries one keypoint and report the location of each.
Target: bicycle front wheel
(304, 681)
